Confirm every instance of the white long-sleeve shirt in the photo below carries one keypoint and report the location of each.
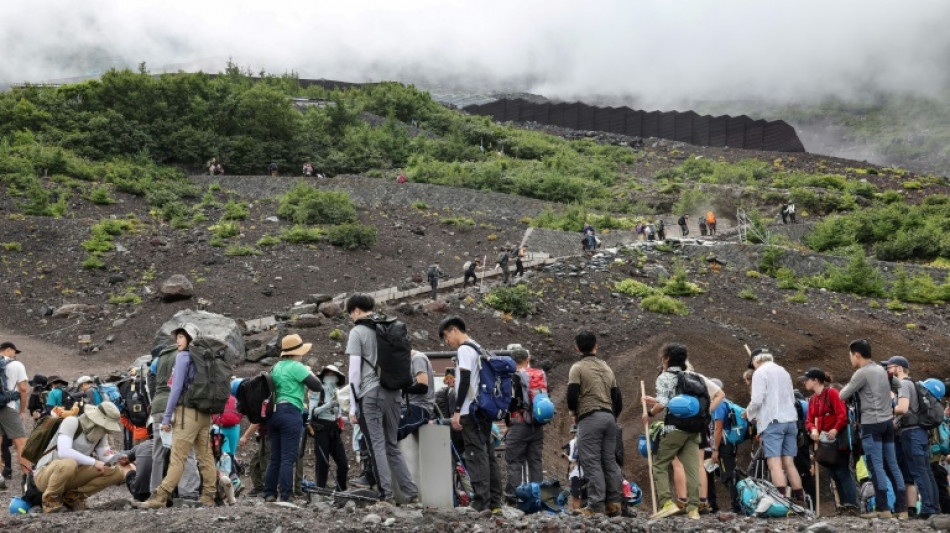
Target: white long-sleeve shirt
(773, 397)
(78, 449)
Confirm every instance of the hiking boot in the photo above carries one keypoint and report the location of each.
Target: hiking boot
(75, 500)
(669, 508)
(703, 507)
(589, 512)
(869, 515)
(902, 515)
(53, 503)
(157, 501)
(693, 514)
(614, 509)
(886, 515)
(206, 500)
(415, 500)
(360, 483)
(270, 499)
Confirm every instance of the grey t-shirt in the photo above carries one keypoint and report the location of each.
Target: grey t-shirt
(420, 363)
(871, 384)
(909, 391)
(362, 342)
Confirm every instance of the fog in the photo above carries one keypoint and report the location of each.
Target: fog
(649, 53)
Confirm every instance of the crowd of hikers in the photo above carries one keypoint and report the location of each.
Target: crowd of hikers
(170, 430)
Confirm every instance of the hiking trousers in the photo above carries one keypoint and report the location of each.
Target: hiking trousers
(597, 455)
(915, 445)
(881, 458)
(479, 459)
(66, 475)
(523, 446)
(434, 283)
(684, 445)
(192, 431)
(190, 483)
(379, 420)
(327, 445)
(283, 430)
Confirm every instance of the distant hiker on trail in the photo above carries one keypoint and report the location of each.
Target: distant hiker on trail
(433, 274)
(682, 224)
(661, 229)
(784, 213)
(470, 268)
(702, 226)
(650, 231)
(791, 213)
(401, 178)
(590, 239)
(307, 169)
(520, 254)
(502, 263)
(711, 222)
(272, 168)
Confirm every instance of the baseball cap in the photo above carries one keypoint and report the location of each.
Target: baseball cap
(8, 345)
(814, 373)
(896, 360)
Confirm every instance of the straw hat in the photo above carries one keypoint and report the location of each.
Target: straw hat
(105, 415)
(292, 345)
(335, 370)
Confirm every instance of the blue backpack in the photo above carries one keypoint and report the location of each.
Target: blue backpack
(940, 438)
(738, 430)
(535, 497)
(760, 499)
(110, 392)
(493, 396)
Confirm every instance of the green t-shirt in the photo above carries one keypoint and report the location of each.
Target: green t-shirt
(288, 380)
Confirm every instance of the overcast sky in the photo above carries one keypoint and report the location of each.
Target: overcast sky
(653, 52)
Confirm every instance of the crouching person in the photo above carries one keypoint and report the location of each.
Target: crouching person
(74, 465)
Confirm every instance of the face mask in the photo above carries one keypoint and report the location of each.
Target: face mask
(331, 379)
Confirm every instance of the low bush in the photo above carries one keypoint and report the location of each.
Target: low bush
(235, 210)
(858, 277)
(920, 288)
(352, 236)
(268, 240)
(517, 300)
(225, 230)
(748, 294)
(101, 196)
(127, 298)
(632, 287)
(12, 246)
(798, 298)
(665, 305)
(337, 335)
(301, 234)
(93, 262)
(895, 305)
(241, 250)
(679, 285)
(307, 205)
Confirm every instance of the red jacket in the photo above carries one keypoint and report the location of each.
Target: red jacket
(829, 409)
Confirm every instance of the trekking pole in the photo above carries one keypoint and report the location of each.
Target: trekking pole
(646, 429)
(481, 281)
(817, 475)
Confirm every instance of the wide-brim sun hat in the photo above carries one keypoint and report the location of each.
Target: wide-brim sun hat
(292, 345)
(83, 379)
(190, 330)
(52, 380)
(335, 370)
(105, 415)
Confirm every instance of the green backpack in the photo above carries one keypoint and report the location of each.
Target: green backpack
(210, 386)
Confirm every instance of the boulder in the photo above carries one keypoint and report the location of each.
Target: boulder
(175, 288)
(71, 310)
(307, 321)
(330, 309)
(212, 325)
(436, 306)
(258, 325)
(318, 298)
(305, 309)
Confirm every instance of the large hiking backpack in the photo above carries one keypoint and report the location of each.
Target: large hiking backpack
(40, 438)
(109, 392)
(393, 352)
(940, 439)
(256, 398)
(7, 393)
(691, 384)
(760, 499)
(534, 497)
(493, 395)
(929, 408)
(230, 417)
(432, 272)
(135, 400)
(738, 430)
(210, 386)
(527, 385)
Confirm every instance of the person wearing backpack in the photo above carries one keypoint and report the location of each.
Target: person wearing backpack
(723, 451)
(524, 441)
(325, 421)
(418, 404)
(825, 407)
(433, 274)
(192, 431)
(470, 268)
(914, 456)
(14, 388)
(676, 386)
(229, 422)
(479, 454)
(772, 407)
(872, 387)
(683, 221)
(89, 392)
(502, 263)
(55, 398)
(711, 223)
(373, 406)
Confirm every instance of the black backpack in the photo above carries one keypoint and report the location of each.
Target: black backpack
(256, 398)
(691, 384)
(135, 400)
(929, 408)
(503, 259)
(73, 396)
(8, 393)
(432, 272)
(393, 352)
(210, 387)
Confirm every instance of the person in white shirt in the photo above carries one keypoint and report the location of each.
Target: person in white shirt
(76, 464)
(772, 407)
(16, 398)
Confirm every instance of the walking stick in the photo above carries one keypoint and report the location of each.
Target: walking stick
(646, 429)
(817, 475)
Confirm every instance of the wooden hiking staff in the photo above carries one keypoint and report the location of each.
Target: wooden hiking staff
(817, 474)
(646, 431)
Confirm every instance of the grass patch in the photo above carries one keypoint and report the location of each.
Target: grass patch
(664, 305)
(301, 234)
(632, 287)
(517, 300)
(352, 236)
(225, 230)
(337, 335)
(241, 250)
(748, 294)
(12, 246)
(268, 240)
(679, 285)
(129, 298)
(895, 305)
(307, 205)
(235, 210)
(101, 196)
(461, 223)
(798, 298)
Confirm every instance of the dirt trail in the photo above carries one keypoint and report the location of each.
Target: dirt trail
(46, 358)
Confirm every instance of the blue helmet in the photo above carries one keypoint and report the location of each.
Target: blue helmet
(632, 492)
(234, 386)
(936, 387)
(683, 406)
(19, 505)
(543, 409)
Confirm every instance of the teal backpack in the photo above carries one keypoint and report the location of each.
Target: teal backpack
(738, 430)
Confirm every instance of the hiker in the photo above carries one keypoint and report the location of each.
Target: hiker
(192, 433)
(374, 407)
(711, 223)
(89, 391)
(37, 403)
(589, 240)
(307, 169)
(419, 401)
(260, 460)
(272, 168)
(74, 466)
(470, 268)
(57, 390)
(445, 401)
(326, 422)
(772, 407)
(723, 452)
(160, 371)
(137, 479)
(575, 474)
(873, 390)
(401, 178)
(650, 231)
(218, 169)
(524, 441)
(913, 457)
(594, 397)
(14, 388)
(229, 425)
(681, 430)
(791, 213)
(520, 254)
(479, 454)
(433, 274)
(502, 263)
(826, 408)
(683, 221)
(702, 226)
(661, 230)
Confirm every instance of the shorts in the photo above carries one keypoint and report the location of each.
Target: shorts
(780, 439)
(11, 423)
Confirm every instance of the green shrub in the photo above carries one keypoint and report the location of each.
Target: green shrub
(754, 274)
(235, 210)
(352, 236)
(307, 205)
(12, 246)
(101, 196)
(461, 223)
(787, 279)
(421, 206)
(301, 234)
(913, 185)
(634, 288)
(858, 277)
(516, 300)
(337, 335)
(679, 285)
(127, 298)
(92, 262)
(770, 261)
(895, 305)
(747, 294)
(798, 298)
(920, 288)
(225, 230)
(240, 250)
(543, 330)
(180, 223)
(268, 240)
(660, 303)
